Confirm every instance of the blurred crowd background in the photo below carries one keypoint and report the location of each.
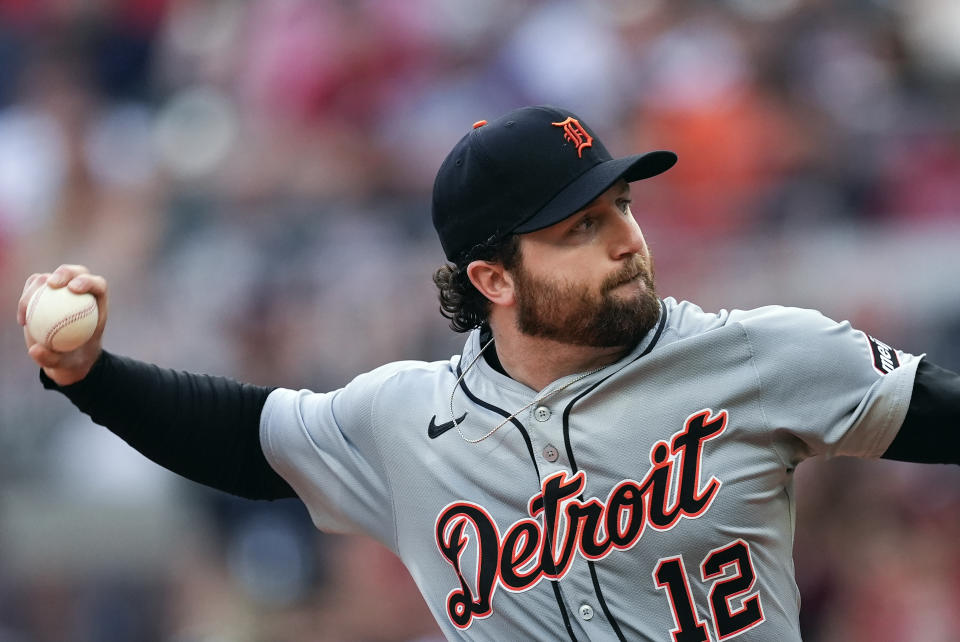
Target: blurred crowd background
(253, 179)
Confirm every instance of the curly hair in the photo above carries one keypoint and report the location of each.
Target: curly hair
(465, 306)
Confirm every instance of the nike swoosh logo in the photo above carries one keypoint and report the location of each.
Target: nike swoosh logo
(434, 431)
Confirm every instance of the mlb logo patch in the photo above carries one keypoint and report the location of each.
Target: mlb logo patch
(885, 358)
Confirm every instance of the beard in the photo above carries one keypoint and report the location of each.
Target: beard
(574, 314)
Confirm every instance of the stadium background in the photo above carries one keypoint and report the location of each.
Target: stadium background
(253, 179)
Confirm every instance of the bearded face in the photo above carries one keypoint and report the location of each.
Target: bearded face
(618, 312)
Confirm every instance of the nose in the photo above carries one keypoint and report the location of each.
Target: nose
(628, 239)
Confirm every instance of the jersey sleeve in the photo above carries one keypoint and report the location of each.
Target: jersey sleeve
(324, 446)
(826, 387)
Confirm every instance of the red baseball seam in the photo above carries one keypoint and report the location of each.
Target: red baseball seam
(65, 321)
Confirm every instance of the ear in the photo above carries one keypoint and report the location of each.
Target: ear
(493, 281)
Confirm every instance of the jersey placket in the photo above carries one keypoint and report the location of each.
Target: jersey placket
(545, 426)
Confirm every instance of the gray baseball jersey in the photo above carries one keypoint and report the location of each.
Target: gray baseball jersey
(650, 500)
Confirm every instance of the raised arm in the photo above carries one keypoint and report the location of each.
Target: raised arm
(202, 427)
(65, 368)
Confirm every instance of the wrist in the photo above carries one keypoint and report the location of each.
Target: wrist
(67, 375)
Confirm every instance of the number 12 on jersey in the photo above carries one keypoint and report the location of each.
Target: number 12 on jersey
(731, 571)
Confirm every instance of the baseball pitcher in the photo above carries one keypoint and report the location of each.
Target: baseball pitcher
(599, 463)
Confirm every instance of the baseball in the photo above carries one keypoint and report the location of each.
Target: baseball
(60, 319)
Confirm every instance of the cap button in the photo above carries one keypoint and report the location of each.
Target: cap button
(479, 123)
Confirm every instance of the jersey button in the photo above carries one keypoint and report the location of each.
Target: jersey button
(586, 611)
(550, 453)
(542, 413)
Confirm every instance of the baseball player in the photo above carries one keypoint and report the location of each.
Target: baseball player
(599, 463)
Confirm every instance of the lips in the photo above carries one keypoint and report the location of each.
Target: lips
(627, 281)
(635, 269)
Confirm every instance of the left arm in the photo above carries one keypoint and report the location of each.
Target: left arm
(931, 430)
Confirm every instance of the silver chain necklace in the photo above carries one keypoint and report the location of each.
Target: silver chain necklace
(505, 421)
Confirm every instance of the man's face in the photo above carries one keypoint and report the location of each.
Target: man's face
(588, 280)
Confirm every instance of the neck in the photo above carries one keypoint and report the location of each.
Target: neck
(537, 362)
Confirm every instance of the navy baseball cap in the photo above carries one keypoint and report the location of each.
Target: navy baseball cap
(524, 171)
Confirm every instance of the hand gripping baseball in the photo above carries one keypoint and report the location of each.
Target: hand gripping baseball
(68, 367)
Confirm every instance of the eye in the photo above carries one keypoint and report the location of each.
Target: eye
(623, 204)
(584, 224)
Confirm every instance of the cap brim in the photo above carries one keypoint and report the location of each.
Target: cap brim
(594, 182)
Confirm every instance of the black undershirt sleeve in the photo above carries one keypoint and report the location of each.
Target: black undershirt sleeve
(202, 427)
(931, 430)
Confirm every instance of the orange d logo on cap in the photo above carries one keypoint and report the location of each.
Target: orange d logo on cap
(574, 132)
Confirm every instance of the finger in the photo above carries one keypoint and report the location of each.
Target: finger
(97, 286)
(63, 274)
(44, 357)
(34, 281)
(31, 280)
(28, 338)
(92, 283)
